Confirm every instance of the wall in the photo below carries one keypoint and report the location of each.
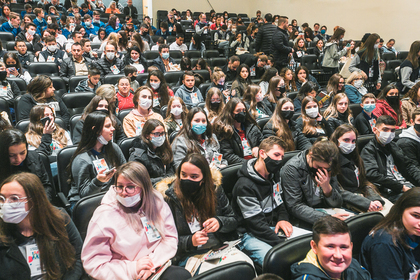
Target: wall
(389, 18)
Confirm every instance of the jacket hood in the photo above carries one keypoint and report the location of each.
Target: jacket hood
(247, 170)
(410, 133)
(110, 199)
(165, 184)
(309, 266)
(184, 88)
(329, 44)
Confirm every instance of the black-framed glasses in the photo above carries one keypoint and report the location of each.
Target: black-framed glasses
(14, 200)
(128, 189)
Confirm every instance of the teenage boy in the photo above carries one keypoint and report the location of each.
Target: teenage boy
(258, 202)
(131, 72)
(178, 45)
(188, 92)
(163, 60)
(97, 20)
(91, 30)
(386, 165)
(28, 10)
(29, 34)
(52, 53)
(39, 21)
(163, 31)
(91, 83)
(365, 121)
(24, 57)
(13, 25)
(330, 256)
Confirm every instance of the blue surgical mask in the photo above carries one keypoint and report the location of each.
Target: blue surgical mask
(369, 107)
(199, 128)
(323, 31)
(165, 55)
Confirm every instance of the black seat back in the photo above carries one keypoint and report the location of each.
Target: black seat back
(73, 121)
(175, 53)
(59, 85)
(362, 140)
(235, 270)
(125, 146)
(193, 54)
(262, 121)
(112, 79)
(229, 178)
(217, 62)
(204, 73)
(123, 113)
(310, 61)
(83, 212)
(63, 160)
(389, 56)
(172, 136)
(77, 101)
(20, 83)
(150, 54)
(74, 81)
(173, 77)
(43, 68)
(211, 53)
(356, 109)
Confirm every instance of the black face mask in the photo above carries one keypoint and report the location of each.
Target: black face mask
(393, 100)
(214, 105)
(240, 117)
(287, 115)
(190, 189)
(133, 78)
(273, 166)
(11, 65)
(416, 125)
(3, 75)
(281, 89)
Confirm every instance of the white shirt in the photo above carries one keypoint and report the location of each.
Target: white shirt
(175, 47)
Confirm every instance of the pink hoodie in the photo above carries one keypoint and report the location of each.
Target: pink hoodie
(112, 248)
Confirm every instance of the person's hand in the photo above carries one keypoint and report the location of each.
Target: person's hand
(255, 152)
(319, 118)
(341, 216)
(226, 92)
(144, 263)
(199, 238)
(375, 206)
(211, 225)
(293, 50)
(323, 179)
(14, 72)
(49, 127)
(405, 188)
(285, 226)
(144, 274)
(29, 37)
(95, 54)
(239, 39)
(364, 75)
(378, 86)
(102, 177)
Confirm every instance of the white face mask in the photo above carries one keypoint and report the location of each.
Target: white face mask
(135, 60)
(259, 97)
(158, 141)
(312, 112)
(110, 55)
(102, 140)
(155, 85)
(346, 148)
(358, 83)
(129, 201)
(145, 103)
(176, 111)
(31, 32)
(49, 21)
(376, 46)
(52, 48)
(15, 214)
(386, 137)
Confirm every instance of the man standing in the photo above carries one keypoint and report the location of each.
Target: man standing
(280, 44)
(265, 35)
(130, 10)
(230, 68)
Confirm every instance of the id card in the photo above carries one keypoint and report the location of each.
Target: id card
(33, 259)
(299, 54)
(151, 232)
(252, 70)
(194, 225)
(371, 72)
(246, 147)
(396, 173)
(115, 69)
(194, 98)
(217, 159)
(50, 59)
(100, 164)
(3, 91)
(156, 101)
(277, 194)
(54, 105)
(357, 173)
(372, 123)
(139, 127)
(414, 275)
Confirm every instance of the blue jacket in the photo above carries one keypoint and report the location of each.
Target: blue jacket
(39, 25)
(353, 94)
(109, 29)
(92, 30)
(89, 12)
(6, 27)
(164, 35)
(65, 32)
(98, 24)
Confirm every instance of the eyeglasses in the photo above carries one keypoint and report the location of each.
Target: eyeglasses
(14, 200)
(128, 189)
(158, 134)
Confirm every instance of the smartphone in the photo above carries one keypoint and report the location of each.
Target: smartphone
(109, 171)
(12, 69)
(281, 234)
(45, 120)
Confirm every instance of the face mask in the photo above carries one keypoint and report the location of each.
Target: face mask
(102, 140)
(158, 141)
(49, 21)
(129, 201)
(417, 127)
(221, 82)
(312, 113)
(323, 31)
(240, 117)
(52, 48)
(176, 111)
(376, 46)
(145, 103)
(358, 83)
(31, 32)
(233, 29)
(88, 23)
(393, 100)
(214, 105)
(165, 55)
(96, 20)
(133, 78)
(259, 97)
(369, 107)
(267, 67)
(110, 55)
(13, 215)
(287, 114)
(190, 189)
(346, 148)
(273, 166)
(386, 137)
(135, 60)
(72, 24)
(282, 89)
(3, 75)
(199, 128)
(155, 85)
(117, 23)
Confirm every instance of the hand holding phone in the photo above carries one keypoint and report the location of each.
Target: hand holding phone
(109, 171)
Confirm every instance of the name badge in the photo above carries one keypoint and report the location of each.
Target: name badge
(151, 232)
(277, 190)
(371, 72)
(100, 164)
(156, 102)
(396, 173)
(3, 91)
(33, 259)
(115, 69)
(194, 98)
(372, 123)
(217, 159)
(252, 70)
(194, 225)
(414, 275)
(246, 147)
(139, 127)
(51, 59)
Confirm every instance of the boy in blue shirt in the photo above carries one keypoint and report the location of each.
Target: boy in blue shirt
(13, 25)
(91, 30)
(28, 10)
(97, 20)
(39, 21)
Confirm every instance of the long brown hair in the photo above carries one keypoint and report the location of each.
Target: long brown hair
(164, 151)
(272, 88)
(204, 206)
(169, 116)
(249, 96)
(396, 107)
(326, 151)
(337, 34)
(413, 93)
(280, 126)
(212, 91)
(309, 125)
(291, 83)
(48, 225)
(413, 56)
(332, 86)
(35, 129)
(331, 111)
(368, 51)
(38, 86)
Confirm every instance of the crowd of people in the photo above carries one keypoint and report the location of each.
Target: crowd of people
(165, 200)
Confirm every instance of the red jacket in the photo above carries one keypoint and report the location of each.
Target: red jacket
(383, 108)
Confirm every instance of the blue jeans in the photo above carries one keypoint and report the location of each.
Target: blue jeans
(254, 248)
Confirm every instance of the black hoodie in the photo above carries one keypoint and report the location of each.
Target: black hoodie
(254, 205)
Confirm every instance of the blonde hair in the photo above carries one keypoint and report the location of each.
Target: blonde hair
(331, 111)
(217, 75)
(353, 76)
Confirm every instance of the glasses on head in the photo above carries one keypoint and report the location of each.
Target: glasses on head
(14, 200)
(158, 134)
(128, 189)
